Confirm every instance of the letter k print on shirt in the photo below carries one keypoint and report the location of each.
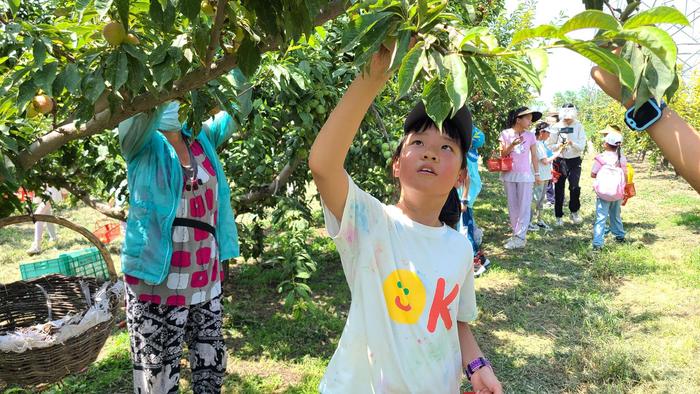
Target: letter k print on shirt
(405, 297)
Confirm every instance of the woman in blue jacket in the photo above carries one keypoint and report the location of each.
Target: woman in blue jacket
(468, 226)
(180, 227)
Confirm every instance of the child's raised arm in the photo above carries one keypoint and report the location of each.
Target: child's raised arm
(327, 155)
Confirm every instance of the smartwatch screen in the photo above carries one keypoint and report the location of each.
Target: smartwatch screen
(645, 116)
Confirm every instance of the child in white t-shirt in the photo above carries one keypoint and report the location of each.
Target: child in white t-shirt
(410, 273)
(545, 157)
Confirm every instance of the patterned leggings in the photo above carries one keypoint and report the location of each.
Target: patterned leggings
(158, 333)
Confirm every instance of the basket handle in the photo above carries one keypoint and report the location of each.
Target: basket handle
(66, 223)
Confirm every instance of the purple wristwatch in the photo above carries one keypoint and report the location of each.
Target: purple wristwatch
(476, 365)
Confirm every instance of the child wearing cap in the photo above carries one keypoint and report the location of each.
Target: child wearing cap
(545, 157)
(571, 137)
(611, 159)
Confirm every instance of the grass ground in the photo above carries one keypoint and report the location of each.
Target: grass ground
(554, 318)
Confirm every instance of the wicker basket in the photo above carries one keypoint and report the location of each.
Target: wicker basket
(27, 303)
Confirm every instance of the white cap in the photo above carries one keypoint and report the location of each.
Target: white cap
(613, 139)
(568, 111)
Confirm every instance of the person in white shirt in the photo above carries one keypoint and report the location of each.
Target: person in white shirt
(545, 157)
(410, 274)
(44, 208)
(569, 136)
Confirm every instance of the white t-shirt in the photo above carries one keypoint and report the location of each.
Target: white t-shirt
(544, 169)
(410, 284)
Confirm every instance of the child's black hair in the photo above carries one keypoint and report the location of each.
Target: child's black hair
(463, 138)
(540, 126)
(418, 122)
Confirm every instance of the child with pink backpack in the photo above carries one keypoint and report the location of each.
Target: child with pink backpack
(610, 173)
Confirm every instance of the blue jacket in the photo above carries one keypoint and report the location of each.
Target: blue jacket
(478, 140)
(155, 183)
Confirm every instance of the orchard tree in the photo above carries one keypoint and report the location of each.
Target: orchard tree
(70, 71)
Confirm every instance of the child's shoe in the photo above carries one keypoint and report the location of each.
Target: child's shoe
(576, 218)
(533, 227)
(559, 222)
(34, 250)
(541, 224)
(515, 243)
(479, 269)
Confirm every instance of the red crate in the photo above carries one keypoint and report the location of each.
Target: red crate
(107, 232)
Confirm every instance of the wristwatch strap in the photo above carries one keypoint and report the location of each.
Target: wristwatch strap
(475, 365)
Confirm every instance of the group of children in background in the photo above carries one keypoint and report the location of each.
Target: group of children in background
(532, 172)
(526, 185)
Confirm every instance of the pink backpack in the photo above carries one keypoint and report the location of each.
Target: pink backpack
(609, 183)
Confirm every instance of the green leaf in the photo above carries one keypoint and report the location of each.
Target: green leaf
(163, 73)
(169, 16)
(102, 7)
(298, 78)
(433, 17)
(135, 52)
(136, 76)
(400, 49)
(607, 61)
(671, 91)
(122, 71)
(26, 91)
(543, 31)
(527, 71)
(410, 67)
(658, 77)
(155, 11)
(39, 52)
(591, 19)
(656, 15)
(158, 54)
(457, 84)
(359, 27)
(484, 74)
(123, 11)
(190, 8)
(72, 78)
(303, 275)
(436, 100)
(59, 83)
(43, 79)
(93, 86)
(539, 60)
(7, 168)
(372, 41)
(80, 5)
(656, 40)
(248, 57)
(635, 57)
(643, 94)
(422, 11)
(14, 5)
(470, 35)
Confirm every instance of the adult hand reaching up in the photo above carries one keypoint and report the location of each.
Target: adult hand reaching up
(679, 141)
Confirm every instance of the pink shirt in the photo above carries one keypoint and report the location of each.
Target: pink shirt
(522, 159)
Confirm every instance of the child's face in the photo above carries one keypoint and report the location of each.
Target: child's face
(543, 135)
(430, 162)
